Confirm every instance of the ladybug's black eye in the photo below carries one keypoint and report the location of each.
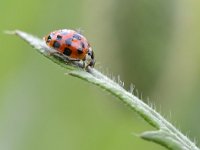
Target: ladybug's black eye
(89, 53)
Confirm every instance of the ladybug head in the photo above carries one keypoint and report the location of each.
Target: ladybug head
(90, 57)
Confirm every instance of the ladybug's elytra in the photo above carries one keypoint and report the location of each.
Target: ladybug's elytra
(71, 44)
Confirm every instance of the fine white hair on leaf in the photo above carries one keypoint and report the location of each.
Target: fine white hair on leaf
(141, 96)
(131, 89)
(113, 78)
(137, 93)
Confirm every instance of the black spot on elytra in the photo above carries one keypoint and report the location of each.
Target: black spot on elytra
(76, 36)
(67, 51)
(80, 50)
(59, 37)
(68, 41)
(56, 44)
(48, 38)
(83, 45)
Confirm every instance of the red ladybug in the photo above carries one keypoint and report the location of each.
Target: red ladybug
(71, 44)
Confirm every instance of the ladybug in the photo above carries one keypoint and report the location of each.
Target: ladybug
(72, 45)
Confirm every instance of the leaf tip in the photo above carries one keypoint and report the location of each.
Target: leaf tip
(11, 32)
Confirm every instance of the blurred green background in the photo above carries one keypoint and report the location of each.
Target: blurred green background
(152, 44)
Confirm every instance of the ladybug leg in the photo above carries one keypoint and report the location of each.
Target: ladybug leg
(83, 66)
(62, 56)
(72, 59)
(66, 59)
(55, 53)
(86, 67)
(69, 59)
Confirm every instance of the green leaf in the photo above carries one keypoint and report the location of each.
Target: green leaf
(166, 134)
